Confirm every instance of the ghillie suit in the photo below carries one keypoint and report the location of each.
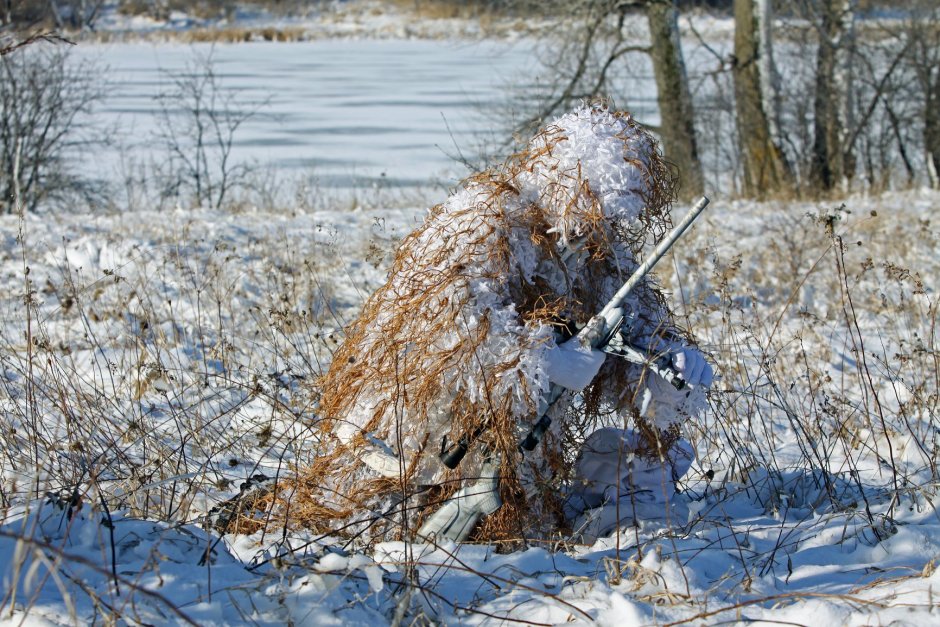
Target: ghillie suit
(455, 344)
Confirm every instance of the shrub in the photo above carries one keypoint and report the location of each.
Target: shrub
(44, 101)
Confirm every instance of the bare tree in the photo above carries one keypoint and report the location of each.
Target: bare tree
(199, 119)
(677, 115)
(43, 100)
(837, 112)
(766, 170)
(579, 55)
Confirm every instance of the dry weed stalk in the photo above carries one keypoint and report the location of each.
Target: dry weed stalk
(825, 338)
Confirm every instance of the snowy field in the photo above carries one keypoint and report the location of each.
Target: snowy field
(154, 361)
(165, 358)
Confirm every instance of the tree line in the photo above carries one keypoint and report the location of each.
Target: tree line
(808, 98)
(850, 102)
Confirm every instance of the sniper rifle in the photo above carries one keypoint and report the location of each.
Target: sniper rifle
(456, 518)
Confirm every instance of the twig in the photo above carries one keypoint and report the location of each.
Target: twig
(48, 36)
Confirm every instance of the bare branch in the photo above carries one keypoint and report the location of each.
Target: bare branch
(47, 36)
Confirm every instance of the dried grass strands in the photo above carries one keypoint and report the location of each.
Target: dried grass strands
(443, 348)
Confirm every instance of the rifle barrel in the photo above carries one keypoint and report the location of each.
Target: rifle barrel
(653, 258)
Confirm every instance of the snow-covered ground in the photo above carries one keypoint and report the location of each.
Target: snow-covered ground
(153, 361)
(167, 357)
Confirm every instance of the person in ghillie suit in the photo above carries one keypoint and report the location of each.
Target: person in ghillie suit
(469, 330)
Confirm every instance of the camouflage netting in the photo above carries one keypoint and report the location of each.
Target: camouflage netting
(453, 345)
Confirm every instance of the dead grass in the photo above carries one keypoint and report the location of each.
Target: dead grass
(154, 405)
(443, 9)
(822, 323)
(826, 328)
(236, 35)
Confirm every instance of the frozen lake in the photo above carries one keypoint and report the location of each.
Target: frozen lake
(349, 114)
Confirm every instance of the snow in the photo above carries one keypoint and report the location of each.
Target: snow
(167, 356)
(757, 546)
(328, 112)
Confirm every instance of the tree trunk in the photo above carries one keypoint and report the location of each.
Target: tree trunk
(766, 171)
(927, 71)
(833, 158)
(677, 118)
(932, 133)
(922, 43)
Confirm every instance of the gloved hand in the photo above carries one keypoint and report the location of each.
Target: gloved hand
(692, 367)
(573, 366)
